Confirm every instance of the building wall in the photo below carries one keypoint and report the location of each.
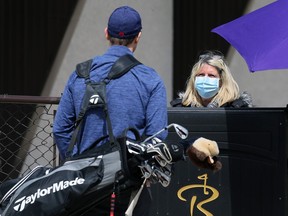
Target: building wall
(85, 38)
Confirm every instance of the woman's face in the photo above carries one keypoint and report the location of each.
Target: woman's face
(208, 70)
(207, 83)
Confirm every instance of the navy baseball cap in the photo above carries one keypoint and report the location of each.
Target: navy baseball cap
(124, 23)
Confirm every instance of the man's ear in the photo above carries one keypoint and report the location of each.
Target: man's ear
(138, 37)
(106, 33)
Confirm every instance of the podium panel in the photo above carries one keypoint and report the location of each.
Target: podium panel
(253, 151)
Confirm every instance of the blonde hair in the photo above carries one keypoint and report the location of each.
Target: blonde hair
(229, 89)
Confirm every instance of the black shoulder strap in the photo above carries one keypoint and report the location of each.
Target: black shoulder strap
(119, 68)
(83, 69)
(122, 66)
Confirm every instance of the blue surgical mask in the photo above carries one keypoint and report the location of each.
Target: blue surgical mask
(207, 87)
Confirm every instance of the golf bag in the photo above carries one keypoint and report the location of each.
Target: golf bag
(75, 186)
(84, 180)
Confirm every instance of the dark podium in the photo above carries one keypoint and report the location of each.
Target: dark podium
(253, 150)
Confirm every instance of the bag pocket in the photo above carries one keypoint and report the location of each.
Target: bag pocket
(58, 191)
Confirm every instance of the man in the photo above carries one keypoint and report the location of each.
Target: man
(137, 99)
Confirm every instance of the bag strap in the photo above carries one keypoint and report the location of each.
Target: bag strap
(83, 69)
(118, 69)
(134, 131)
(122, 66)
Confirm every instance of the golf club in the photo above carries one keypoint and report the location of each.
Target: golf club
(180, 130)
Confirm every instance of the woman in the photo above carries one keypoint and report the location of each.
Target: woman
(211, 84)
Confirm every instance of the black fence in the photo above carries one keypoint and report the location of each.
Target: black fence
(26, 134)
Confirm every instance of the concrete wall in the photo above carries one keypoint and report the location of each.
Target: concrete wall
(85, 38)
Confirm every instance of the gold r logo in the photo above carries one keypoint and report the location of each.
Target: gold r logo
(206, 189)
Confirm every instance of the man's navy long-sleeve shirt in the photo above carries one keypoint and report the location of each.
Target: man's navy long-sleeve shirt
(137, 99)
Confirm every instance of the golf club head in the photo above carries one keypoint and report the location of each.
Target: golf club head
(181, 131)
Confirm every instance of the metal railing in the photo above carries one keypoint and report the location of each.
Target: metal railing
(26, 134)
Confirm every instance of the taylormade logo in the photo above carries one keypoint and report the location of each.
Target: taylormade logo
(94, 99)
(21, 203)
